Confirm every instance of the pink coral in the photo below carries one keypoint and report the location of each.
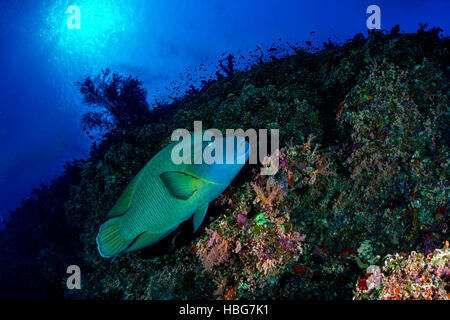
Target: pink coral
(241, 220)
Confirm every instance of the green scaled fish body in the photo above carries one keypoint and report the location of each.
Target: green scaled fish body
(161, 196)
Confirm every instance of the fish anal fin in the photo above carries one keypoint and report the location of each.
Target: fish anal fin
(180, 185)
(123, 203)
(199, 215)
(146, 239)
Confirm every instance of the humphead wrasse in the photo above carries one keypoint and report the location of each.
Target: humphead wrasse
(164, 194)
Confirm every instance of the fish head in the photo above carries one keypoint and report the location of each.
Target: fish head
(223, 158)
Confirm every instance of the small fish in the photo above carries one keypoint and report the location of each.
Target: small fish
(164, 194)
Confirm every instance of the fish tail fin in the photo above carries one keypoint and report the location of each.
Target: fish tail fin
(109, 240)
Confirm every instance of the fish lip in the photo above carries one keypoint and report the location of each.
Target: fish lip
(247, 147)
(243, 156)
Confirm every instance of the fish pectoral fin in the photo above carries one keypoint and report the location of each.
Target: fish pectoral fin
(123, 203)
(199, 215)
(146, 239)
(180, 185)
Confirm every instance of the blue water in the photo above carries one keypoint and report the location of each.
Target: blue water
(41, 59)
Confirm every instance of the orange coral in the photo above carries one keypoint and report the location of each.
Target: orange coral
(273, 193)
(231, 293)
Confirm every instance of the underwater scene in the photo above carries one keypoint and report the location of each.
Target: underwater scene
(224, 150)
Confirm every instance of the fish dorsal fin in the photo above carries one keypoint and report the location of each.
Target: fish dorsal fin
(124, 201)
(199, 215)
(180, 185)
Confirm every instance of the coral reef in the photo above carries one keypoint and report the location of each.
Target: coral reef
(364, 167)
(252, 241)
(412, 276)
